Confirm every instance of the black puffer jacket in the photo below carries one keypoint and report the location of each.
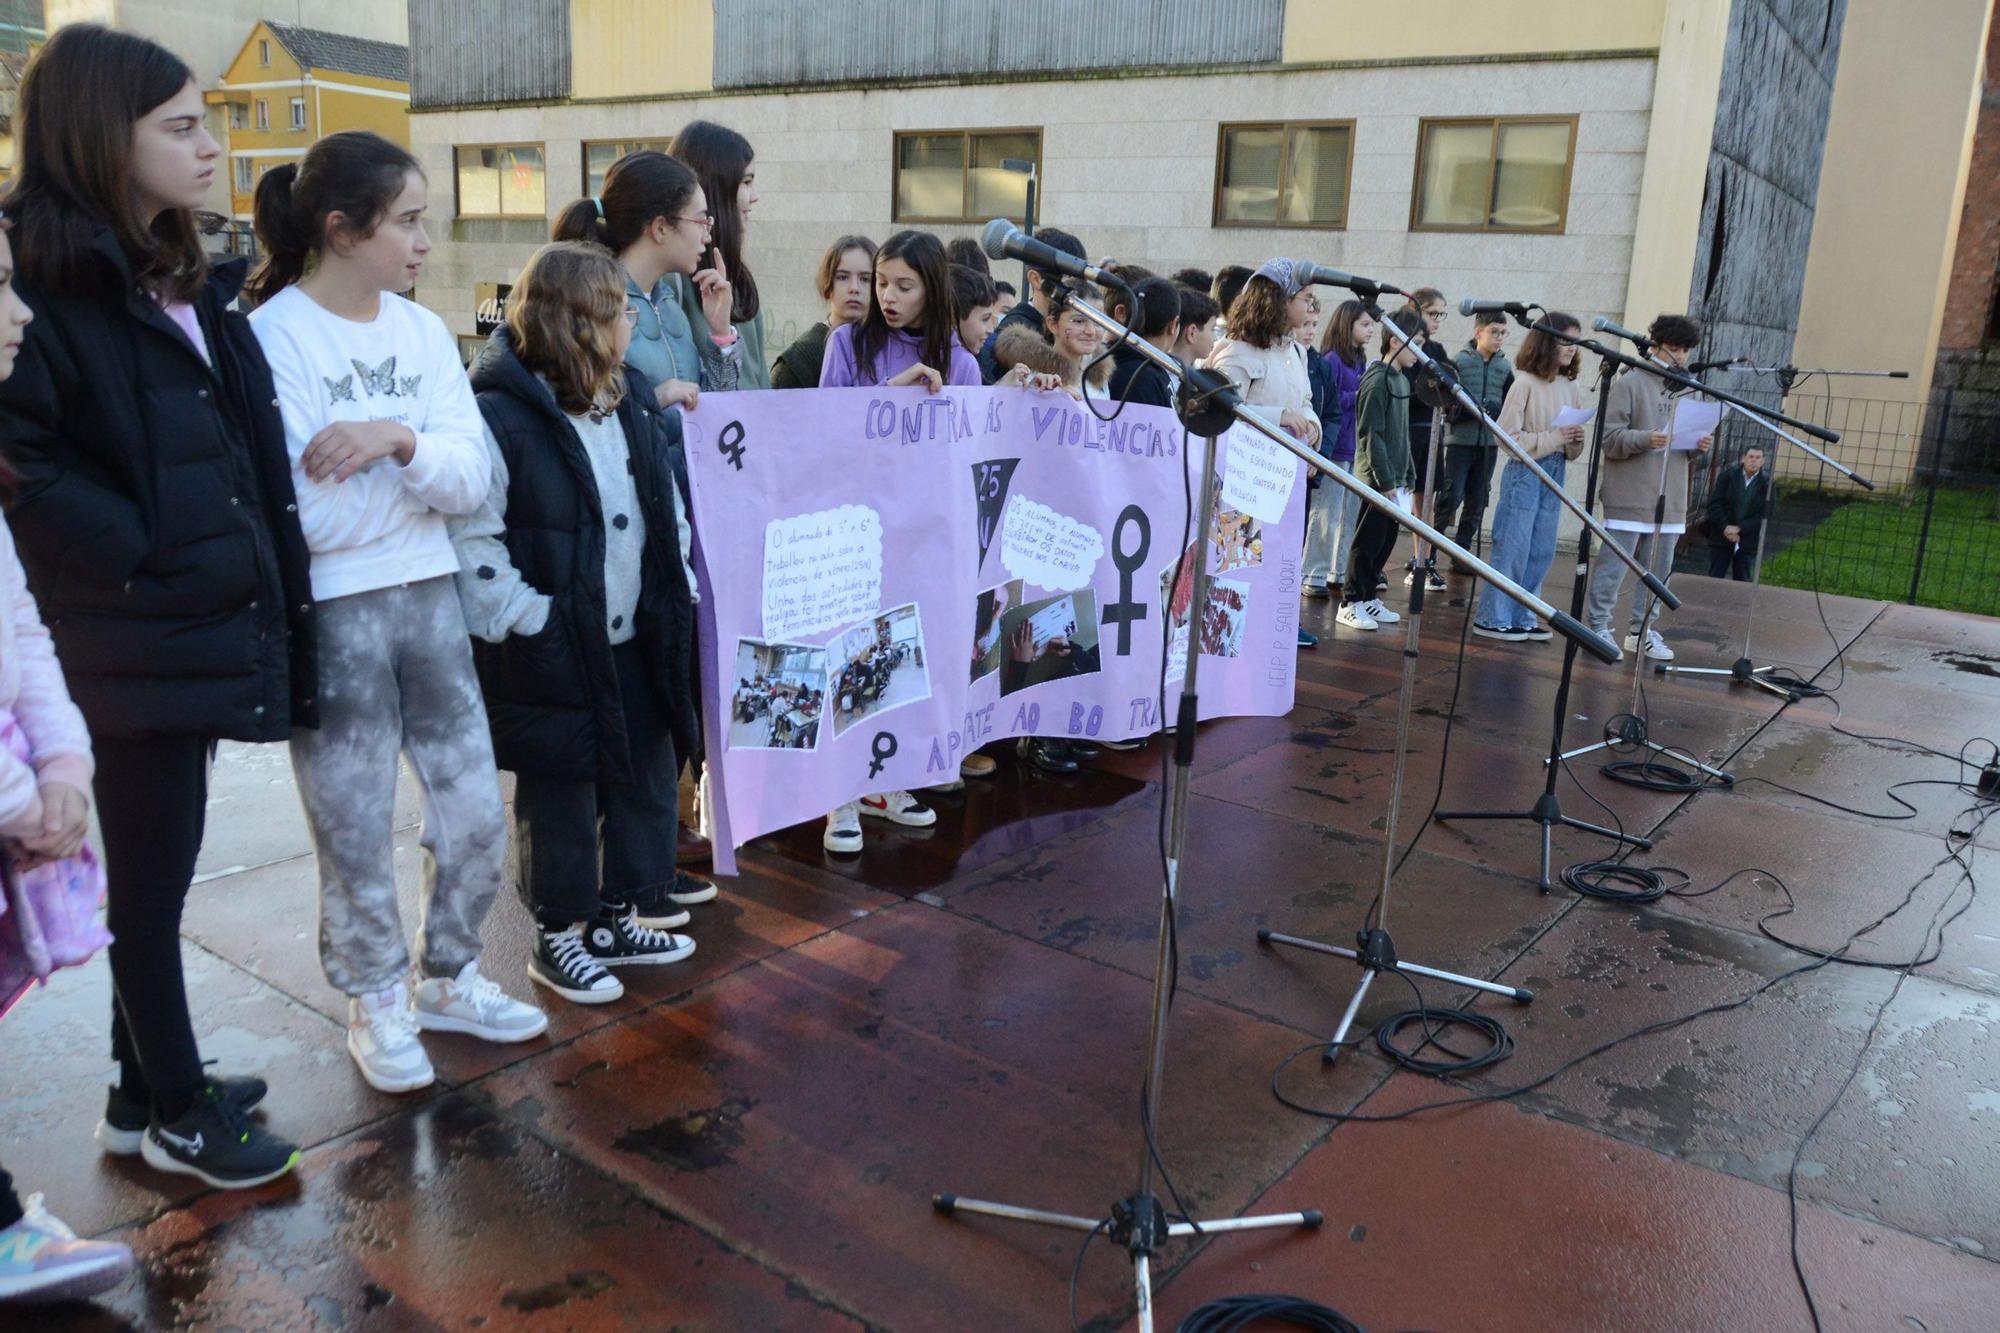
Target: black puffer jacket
(155, 513)
(553, 697)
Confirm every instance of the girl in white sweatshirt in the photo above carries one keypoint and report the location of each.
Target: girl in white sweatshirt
(385, 441)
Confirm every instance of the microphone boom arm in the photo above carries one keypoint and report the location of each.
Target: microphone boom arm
(1224, 395)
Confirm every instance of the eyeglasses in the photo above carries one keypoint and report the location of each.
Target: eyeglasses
(705, 220)
(632, 315)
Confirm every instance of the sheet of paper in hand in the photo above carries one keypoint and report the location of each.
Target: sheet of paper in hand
(866, 557)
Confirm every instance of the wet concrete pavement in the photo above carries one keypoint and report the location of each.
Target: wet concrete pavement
(749, 1140)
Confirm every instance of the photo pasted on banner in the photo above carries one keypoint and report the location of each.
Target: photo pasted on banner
(892, 579)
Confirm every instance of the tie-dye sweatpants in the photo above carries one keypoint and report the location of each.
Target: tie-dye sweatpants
(396, 678)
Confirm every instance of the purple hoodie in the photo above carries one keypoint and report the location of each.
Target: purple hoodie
(839, 371)
(1346, 387)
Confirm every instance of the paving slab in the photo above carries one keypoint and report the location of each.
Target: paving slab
(814, 1102)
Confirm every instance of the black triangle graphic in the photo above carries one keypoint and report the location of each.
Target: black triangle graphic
(989, 487)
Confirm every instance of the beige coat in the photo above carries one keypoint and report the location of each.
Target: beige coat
(1529, 414)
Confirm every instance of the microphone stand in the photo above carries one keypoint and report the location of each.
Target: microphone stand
(1374, 950)
(1208, 407)
(1744, 671)
(1547, 811)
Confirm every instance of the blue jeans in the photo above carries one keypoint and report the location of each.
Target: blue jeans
(1524, 540)
(1330, 518)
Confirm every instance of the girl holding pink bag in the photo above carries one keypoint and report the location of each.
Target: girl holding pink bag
(54, 886)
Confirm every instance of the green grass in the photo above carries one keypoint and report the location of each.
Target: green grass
(1868, 548)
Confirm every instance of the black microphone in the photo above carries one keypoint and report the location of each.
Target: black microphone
(1004, 240)
(1311, 274)
(1603, 325)
(1699, 366)
(1473, 306)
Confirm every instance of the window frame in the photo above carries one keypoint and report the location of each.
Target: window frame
(1494, 123)
(583, 156)
(965, 170)
(264, 52)
(261, 114)
(298, 105)
(1284, 128)
(456, 209)
(245, 176)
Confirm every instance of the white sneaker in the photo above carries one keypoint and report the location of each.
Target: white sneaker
(382, 1038)
(843, 829)
(1382, 614)
(471, 1004)
(899, 807)
(1354, 615)
(1656, 647)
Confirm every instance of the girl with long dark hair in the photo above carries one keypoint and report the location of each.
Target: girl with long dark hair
(910, 333)
(157, 523)
(385, 441)
(1528, 514)
(725, 165)
(1333, 510)
(654, 215)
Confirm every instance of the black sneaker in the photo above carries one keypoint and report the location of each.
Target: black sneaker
(690, 889)
(216, 1144)
(125, 1119)
(1045, 755)
(562, 963)
(616, 939)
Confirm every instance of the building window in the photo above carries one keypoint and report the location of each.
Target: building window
(598, 157)
(263, 114)
(957, 176)
(1291, 174)
(245, 180)
(239, 116)
(263, 52)
(1493, 175)
(502, 181)
(298, 113)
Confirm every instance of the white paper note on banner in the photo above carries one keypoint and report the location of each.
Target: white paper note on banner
(1574, 416)
(821, 570)
(1048, 549)
(1258, 475)
(1693, 418)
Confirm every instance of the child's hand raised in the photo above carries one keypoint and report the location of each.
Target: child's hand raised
(716, 297)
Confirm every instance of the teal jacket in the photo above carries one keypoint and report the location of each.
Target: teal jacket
(1486, 383)
(753, 369)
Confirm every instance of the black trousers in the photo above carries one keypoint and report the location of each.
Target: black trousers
(1731, 562)
(585, 843)
(1464, 489)
(1374, 540)
(152, 796)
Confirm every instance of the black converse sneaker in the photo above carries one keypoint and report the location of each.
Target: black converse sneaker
(125, 1118)
(216, 1143)
(616, 939)
(562, 963)
(689, 889)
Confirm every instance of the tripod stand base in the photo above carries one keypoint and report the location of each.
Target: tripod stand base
(1377, 956)
(1741, 672)
(1548, 813)
(1680, 756)
(1137, 1224)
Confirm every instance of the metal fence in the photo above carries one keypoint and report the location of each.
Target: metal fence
(1928, 535)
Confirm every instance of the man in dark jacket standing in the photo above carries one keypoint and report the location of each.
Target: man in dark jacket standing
(1736, 507)
(1470, 449)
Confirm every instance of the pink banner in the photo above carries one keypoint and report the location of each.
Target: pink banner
(892, 579)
